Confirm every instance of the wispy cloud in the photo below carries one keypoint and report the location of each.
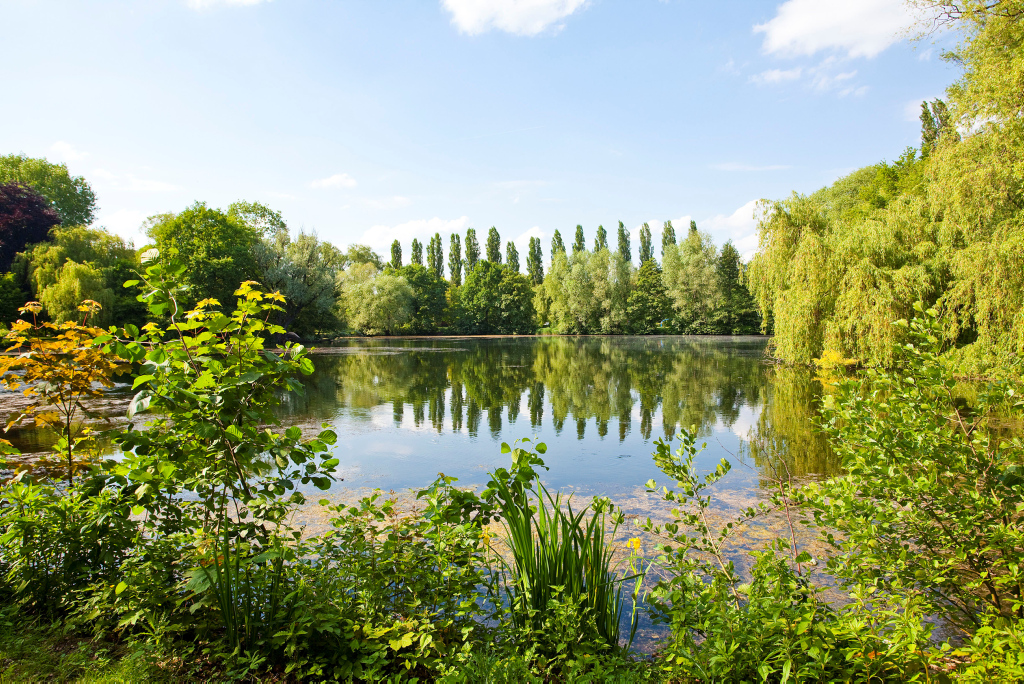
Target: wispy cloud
(858, 28)
(338, 180)
(776, 76)
(519, 17)
(732, 166)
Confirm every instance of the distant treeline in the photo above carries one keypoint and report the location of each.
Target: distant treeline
(49, 252)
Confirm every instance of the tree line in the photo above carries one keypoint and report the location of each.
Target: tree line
(50, 252)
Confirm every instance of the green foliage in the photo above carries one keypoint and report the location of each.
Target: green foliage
(646, 247)
(428, 301)
(736, 313)
(472, 250)
(557, 246)
(362, 254)
(690, 282)
(454, 260)
(71, 196)
(11, 298)
(535, 262)
(624, 250)
(396, 255)
(837, 267)
(496, 300)
(435, 257)
(565, 593)
(305, 270)
(668, 237)
(648, 304)
(580, 243)
(217, 249)
(601, 239)
(417, 253)
(80, 263)
(915, 453)
(376, 303)
(493, 246)
(512, 257)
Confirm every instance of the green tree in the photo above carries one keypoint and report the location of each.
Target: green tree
(455, 259)
(472, 250)
(648, 304)
(512, 256)
(493, 246)
(580, 244)
(263, 220)
(305, 271)
(435, 256)
(362, 254)
(217, 249)
(396, 254)
(736, 313)
(601, 241)
(556, 244)
(110, 262)
(417, 252)
(624, 249)
(377, 303)
(535, 262)
(646, 246)
(668, 237)
(71, 196)
(497, 301)
(689, 277)
(12, 298)
(428, 302)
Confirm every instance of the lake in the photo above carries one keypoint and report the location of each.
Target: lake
(406, 409)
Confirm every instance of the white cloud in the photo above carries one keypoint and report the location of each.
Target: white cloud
(64, 152)
(739, 226)
(912, 109)
(860, 28)
(125, 222)
(130, 182)
(380, 237)
(338, 180)
(522, 242)
(207, 4)
(776, 76)
(730, 166)
(520, 17)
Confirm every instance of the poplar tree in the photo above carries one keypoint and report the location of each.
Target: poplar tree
(396, 255)
(512, 257)
(435, 256)
(580, 245)
(668, 237)
(557, 245)
(601, 241)
(472, 250)
(535, 262)
(417, 252)
(493, 246)
(624, 250)
(455, 259)
(646, 248)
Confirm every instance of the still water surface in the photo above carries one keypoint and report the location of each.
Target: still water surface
(407, 409)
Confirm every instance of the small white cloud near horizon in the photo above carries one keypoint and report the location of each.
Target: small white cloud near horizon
(380, 237)
(338, 180)
(130, 182)
(739, 226)
(207, 4)
(731, 166)
(519, 17)
(860, 28)
(64, 152)
(126, 223)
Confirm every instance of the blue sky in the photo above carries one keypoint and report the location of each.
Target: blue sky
(371, 120)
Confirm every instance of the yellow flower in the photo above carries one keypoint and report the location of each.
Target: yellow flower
(634, 543)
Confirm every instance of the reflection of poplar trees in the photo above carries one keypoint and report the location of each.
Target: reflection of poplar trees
(456, 406)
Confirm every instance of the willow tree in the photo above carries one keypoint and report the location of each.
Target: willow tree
(837, 268)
